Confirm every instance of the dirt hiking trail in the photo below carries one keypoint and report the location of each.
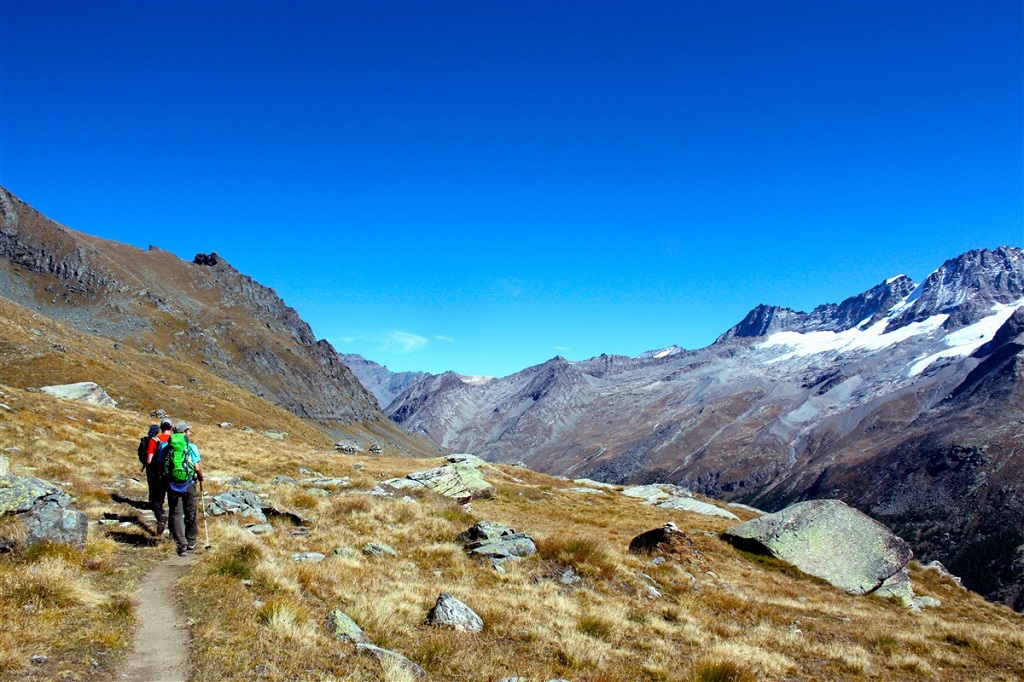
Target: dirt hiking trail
(161, 650)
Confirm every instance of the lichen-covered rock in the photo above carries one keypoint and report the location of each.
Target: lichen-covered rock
(5, 465)
(460, 481)
(827, 539)
(388, 657)
(44, 510)
(242, 503)
(345, 629)
(696, 506)
(897, 586)
(452, 613)
(84, 391)
(496, 542)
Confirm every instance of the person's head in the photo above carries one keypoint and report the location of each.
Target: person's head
(153, 430)
(166, 425)
(182, 427)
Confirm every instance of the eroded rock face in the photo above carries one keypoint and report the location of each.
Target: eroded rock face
(827, 539)
(44, 510)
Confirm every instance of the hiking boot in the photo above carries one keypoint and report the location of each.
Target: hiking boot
(190, 547)
(161, 525)
(182, 552)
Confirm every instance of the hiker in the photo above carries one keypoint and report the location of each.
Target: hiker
(155, 474)
(182, 469)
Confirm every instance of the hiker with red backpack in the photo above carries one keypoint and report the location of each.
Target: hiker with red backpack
(149, 451)
(182, 469)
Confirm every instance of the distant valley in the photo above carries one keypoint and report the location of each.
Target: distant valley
(905, 401)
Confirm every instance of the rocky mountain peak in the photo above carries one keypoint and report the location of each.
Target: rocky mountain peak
(966, 288)
(764, 320)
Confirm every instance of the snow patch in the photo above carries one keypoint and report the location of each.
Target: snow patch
(873, 338)
(965, 341)
(475, 380)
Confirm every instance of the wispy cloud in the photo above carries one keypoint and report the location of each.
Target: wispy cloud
(446, 339)
(405, 342)
(561, 348)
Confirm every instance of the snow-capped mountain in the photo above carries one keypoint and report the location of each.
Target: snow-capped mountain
(906, 400)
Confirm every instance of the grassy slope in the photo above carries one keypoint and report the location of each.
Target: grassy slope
(258, 614)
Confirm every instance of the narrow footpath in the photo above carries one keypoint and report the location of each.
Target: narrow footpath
(161, 651)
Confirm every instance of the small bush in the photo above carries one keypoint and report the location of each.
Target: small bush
(237, 561)
(719, 671)
(595, 627)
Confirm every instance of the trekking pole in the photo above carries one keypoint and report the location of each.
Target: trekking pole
(202, 493)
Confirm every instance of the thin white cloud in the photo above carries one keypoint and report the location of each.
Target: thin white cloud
(561, 348)
(406, 342)
(446, 339)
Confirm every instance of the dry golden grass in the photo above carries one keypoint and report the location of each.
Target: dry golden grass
(257, 614)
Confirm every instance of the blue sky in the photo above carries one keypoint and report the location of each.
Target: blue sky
(481, 186)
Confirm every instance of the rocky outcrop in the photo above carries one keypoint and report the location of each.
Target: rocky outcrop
(44, 511)
(204, 312)
(460, 479)
(84, 392)
(827, 539)
(496, 542)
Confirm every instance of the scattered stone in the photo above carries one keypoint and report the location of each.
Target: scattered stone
(5, 465)
(45, 513)
(346, 448)
(375, 449)
(158, 414)
(924, 602)
(344, 552)
(275, 434)
(648, 493)
(827, 539)
(5, 406)
(260, 528)
(396, 486)
(651, 592)
(308, 557)
(496, 542)
(696, 506)
(241, 503)
(225, 425)
(943, 571)
(84, 392)
(452, 613)
(591, 483)
(392, 658)
(897, 586)
(377, 549)
(591, 491)
(345, 629)
(666, 542)
(328, 482)
(284, 480)
(570, 577)
(513, 679)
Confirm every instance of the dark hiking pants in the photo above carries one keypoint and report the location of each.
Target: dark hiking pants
(157, 490)
(184, 522)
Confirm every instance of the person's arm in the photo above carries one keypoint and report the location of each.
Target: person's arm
(151, 449)
(197, 461)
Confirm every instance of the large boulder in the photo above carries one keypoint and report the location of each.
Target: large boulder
(827, 539)
(668, 542)
(461, 481)
(451, 613)
(84, 392)
(44, 510)
(496, 542)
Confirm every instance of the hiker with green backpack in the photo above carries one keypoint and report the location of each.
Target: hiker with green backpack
(182, 468)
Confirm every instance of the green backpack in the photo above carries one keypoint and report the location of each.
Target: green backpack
(178, 464)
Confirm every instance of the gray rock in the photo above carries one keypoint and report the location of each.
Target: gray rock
(647, 493)
(943, 571)
(377, 549)
(396, 486)
(345, 629)
(275, 434)
(393, 658)
(260, 528)
(5, 465)
(45, 511)
(460, 481)
(308, 557)
(827, 539)
(241, 503)
(696, 506)
(496, 542)
(570, 577)
(452, 613)
(897, 586)
(924, 602)
(344, 552)
(84, 392)
(225, 425)
(328, 482)
(284, 480)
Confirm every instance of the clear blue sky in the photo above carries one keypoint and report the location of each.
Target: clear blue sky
(481, 186)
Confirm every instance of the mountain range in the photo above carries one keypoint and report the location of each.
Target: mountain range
(906, 401)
